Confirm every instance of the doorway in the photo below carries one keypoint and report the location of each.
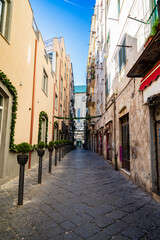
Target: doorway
(125, 142)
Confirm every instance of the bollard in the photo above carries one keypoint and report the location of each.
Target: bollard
(22, 160)
(50, 149)
(59, 153)
(62, 151)
(56, 148)
(40, 154)
(50, 162)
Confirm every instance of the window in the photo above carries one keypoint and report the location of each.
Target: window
(78, 114)
(64, 96)
(122, 56)
(108, 40)
(45, 82)
(5, 18)
(61, 87)
(101, 98)
(56, 101)
(1, 114)
(61, 110)
(43, 130)
(66, 104)
(108, 83)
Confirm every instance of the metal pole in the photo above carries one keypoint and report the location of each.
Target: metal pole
(21, 184)
(55, 157)
(40, 171)
(59, 154)
(50, 162)
(62, 152)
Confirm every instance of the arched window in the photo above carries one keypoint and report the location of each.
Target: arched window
(43, 129)
(78, 114)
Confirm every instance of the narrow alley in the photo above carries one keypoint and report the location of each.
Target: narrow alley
(83, 198)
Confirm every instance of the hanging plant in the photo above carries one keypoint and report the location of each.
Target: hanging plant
(7, 83)
(41, 115)
(155, 27)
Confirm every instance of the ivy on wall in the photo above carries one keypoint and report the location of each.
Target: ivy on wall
(7, 83)
(41, 115)
(76, 118)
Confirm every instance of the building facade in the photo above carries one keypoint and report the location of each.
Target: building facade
(80, 107)
(64, 87)
(125, 133)
(29, 82)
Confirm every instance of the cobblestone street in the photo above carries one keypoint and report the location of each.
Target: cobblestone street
(83, 198)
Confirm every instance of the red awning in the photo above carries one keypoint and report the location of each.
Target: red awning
(150, 77)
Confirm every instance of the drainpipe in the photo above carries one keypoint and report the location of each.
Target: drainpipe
(33, 101)
(59, 97)
(53, 112)
(115, 154)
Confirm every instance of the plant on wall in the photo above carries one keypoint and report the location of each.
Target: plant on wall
(41, 115)
(155, 27)
(7, 83)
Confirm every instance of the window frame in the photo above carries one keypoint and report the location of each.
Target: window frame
(122, 56)
(56, 101)
(45, 83)
(5, 21)
(60, 110)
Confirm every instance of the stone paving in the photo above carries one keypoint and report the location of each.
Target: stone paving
(83, 198)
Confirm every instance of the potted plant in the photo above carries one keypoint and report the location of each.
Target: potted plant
(63, 143)
(40, 151)
(40, 148)
(50, 149)
(56, 148)
(23, 148)
(51, 146)
(60, 143)
(56, 145)
(22, 159)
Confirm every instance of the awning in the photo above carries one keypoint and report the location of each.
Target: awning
(150, 77)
